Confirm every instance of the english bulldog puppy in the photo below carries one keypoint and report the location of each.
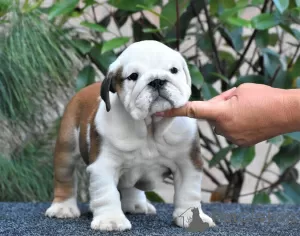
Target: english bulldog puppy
(127, 148)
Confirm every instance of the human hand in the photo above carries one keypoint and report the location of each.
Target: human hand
(246, 115)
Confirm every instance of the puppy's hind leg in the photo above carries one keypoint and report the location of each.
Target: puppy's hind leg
(64, 204)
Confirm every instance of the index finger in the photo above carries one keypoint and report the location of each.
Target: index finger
(195, 109)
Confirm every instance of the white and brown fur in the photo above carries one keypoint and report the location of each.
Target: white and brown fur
(126, 147)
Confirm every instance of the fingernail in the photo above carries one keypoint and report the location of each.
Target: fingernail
(159, 113)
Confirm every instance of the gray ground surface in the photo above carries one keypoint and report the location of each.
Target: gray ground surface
(232, 219)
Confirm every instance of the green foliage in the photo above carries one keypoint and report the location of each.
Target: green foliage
(32, 52)
(113, 44)
(219, 156)
(154, 197)
(242, 157)
(287, 156)
(29, 176)
(85, 77)
(261, 198)
(62, 7)
(221, 54)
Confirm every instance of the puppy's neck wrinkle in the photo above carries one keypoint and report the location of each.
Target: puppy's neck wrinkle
(150, 125)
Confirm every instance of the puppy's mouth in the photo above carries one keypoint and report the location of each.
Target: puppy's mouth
(156, 96)
(161, 97)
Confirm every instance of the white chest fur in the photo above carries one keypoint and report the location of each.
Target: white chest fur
(144, 150)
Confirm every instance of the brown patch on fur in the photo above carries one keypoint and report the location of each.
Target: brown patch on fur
(95, 139)
(195, 153)
(117, 80)
(77, 114)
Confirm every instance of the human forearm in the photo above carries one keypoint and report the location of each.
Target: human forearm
(249, 114)
(292, 109)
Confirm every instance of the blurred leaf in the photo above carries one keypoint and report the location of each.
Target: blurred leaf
(233, 37)
(149, 30)
(209, 72)
(93, 26)
(282, 197)
(102, 60)
(89, 2)
(261, 198)
(219, 156)
(208, 91)
(218, 7)
(204, 43)
(257, 2)
(121, 17)
(105, 21)
(62, 7)
(292, 190)
(132, 4)
(139, 34)
(281, 5)
(296, 68)
(287, 155)
(262, 38)
(222, 77)
(4, 7)
(85, 77)
(238, 21)
(197, 78)
(82, 45)
(298, 82)
(194, 8)
(277, 141)
(154, 197)
(196, 94)
(27, 7)
(114, 43)
(242, 157)
(168, 13)
(273, 63)
(232, 11)
(265, 21)
(295, 136)
(273, 39)
(294, 32)
(257, 79)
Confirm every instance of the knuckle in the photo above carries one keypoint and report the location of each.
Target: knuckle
(242, 143)
(190, 110)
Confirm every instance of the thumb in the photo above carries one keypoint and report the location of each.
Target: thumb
(196, 109)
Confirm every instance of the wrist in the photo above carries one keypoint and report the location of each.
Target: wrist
(291, 107)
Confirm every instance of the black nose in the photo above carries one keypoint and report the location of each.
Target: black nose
(157, 83)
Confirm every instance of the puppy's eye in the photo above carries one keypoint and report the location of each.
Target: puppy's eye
(174, 70)
(133, 76)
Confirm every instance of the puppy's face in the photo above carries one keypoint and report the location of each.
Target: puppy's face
(148, 77)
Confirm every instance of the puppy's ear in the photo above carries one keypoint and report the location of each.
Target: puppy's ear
(186, 71)
(108, 85)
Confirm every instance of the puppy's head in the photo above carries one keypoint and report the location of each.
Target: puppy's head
(148, 77)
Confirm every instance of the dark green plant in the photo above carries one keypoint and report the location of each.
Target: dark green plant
(27, 176)
(221, 55)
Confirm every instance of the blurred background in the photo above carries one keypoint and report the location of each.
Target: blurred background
(49, 50)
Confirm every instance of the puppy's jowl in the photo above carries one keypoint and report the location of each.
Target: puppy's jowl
(126, 147)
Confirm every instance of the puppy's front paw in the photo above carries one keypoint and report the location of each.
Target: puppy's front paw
(193, 216)
(143, 207)
(65, 209)
(111, 223)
